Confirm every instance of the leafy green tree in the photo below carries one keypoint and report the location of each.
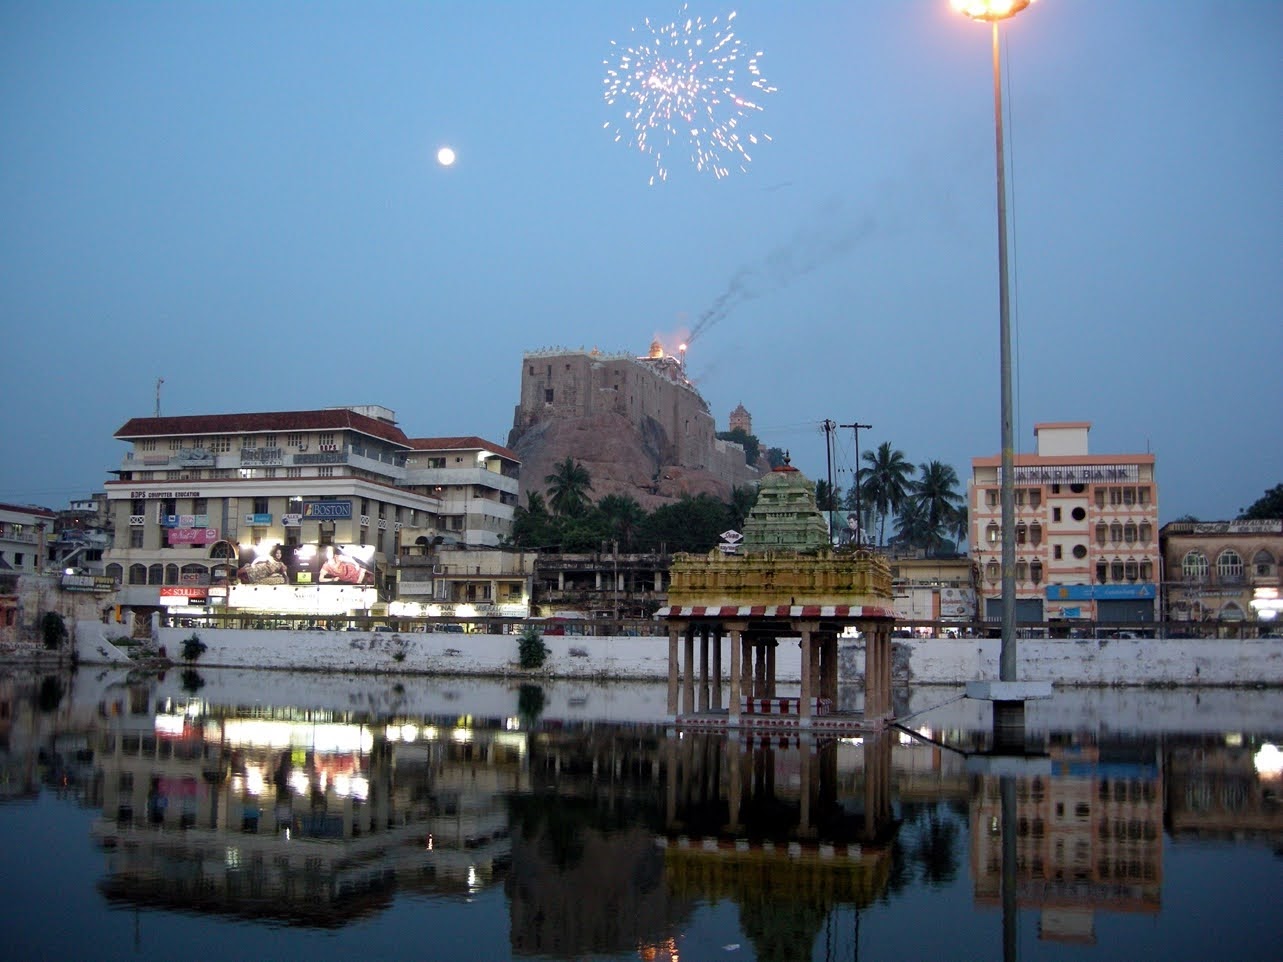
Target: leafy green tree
(531, 650)
(693, 524)
(776, 457)
(532, 525)
(568, 487)
(53, 629)
(824, 497)
(1267, 507)
(741, 503)
(885, 483)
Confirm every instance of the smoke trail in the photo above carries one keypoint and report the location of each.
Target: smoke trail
(829, 233)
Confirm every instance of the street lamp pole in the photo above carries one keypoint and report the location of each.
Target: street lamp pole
(994, 11)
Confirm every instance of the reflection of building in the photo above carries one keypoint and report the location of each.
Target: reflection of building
(1086, 531)
(199, 498)
(310, 817)
(1216, 788)
(762, 821)
(1224, 571)
(1089, 837)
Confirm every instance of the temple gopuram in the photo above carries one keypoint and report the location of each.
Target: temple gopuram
(783, 584)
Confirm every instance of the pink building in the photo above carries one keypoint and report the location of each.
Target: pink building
(1086, 531)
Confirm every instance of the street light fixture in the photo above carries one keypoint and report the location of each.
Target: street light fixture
(993, 12)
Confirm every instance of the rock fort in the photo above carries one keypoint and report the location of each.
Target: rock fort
(637, 424)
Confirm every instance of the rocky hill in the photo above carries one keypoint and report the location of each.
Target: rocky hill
(623, 458)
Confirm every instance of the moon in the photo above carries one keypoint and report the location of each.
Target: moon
(445, 156)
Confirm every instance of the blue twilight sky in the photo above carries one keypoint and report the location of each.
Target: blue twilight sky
(243, 198)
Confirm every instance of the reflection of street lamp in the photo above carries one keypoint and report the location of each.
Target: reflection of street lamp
(995, 11)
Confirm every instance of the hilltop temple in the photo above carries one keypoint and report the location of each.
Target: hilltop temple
(783, 582)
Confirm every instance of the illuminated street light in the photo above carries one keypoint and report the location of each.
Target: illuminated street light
(993, 12)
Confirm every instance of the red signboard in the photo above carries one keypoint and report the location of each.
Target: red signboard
(182, 591)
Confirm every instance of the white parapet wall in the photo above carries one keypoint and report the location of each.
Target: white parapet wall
(931, 661)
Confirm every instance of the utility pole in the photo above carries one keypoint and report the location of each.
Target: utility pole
(859, 513)
(829, 425)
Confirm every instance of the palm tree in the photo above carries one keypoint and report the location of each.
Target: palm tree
(937, 488)
(622, 516)
(884, 484)
(568, 487)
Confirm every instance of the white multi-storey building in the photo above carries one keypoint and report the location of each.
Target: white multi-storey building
(292, 511)
(475, 481)
(24, 533)
(1086, 531)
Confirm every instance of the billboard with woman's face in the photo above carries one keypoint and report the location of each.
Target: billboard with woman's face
(306, 564)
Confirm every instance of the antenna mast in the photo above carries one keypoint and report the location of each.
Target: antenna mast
(159, 382)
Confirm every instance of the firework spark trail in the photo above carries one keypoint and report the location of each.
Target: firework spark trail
(679, 88)
(812, 245)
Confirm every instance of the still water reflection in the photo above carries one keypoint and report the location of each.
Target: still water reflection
(243, 816)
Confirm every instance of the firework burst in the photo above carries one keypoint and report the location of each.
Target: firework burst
(688, 85)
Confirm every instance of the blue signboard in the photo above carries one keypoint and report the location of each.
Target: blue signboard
(1100, 592)
(326, 510)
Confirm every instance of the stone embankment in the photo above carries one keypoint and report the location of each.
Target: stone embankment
(936, 661)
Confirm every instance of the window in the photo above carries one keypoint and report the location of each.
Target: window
(1022, 534)
(1102, 572)
(1080, 551)
(156, 575)
(1129, 496)
(1035, 499)
(1102, 533)
(325, 472)
(200, 505)
(1131, 570)
(1142, 495)
(547, 396)
(1055, 514)
(294, 439)
(1129, 533)
(135, 538)
(1116, 571)
(294, 472)
(148, 445)
(1022, 571)
(1229, 566)
(1057, 552)
(325, 439)
(1100, 497)
(1194, 566)
(260, 506)
(1146, 532)
(269, 440)
(1263, 563)
(992, 571)
(1035, 572)
(1147, 571)
(365, 505)
(992, 533)
(249, 442)
(138, 574)
(1115, 532)
(992, 497)
(220, 445)
(1079, 513)
(1035, 533)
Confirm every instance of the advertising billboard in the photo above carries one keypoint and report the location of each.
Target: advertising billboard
(326, 510)
(307, 564)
